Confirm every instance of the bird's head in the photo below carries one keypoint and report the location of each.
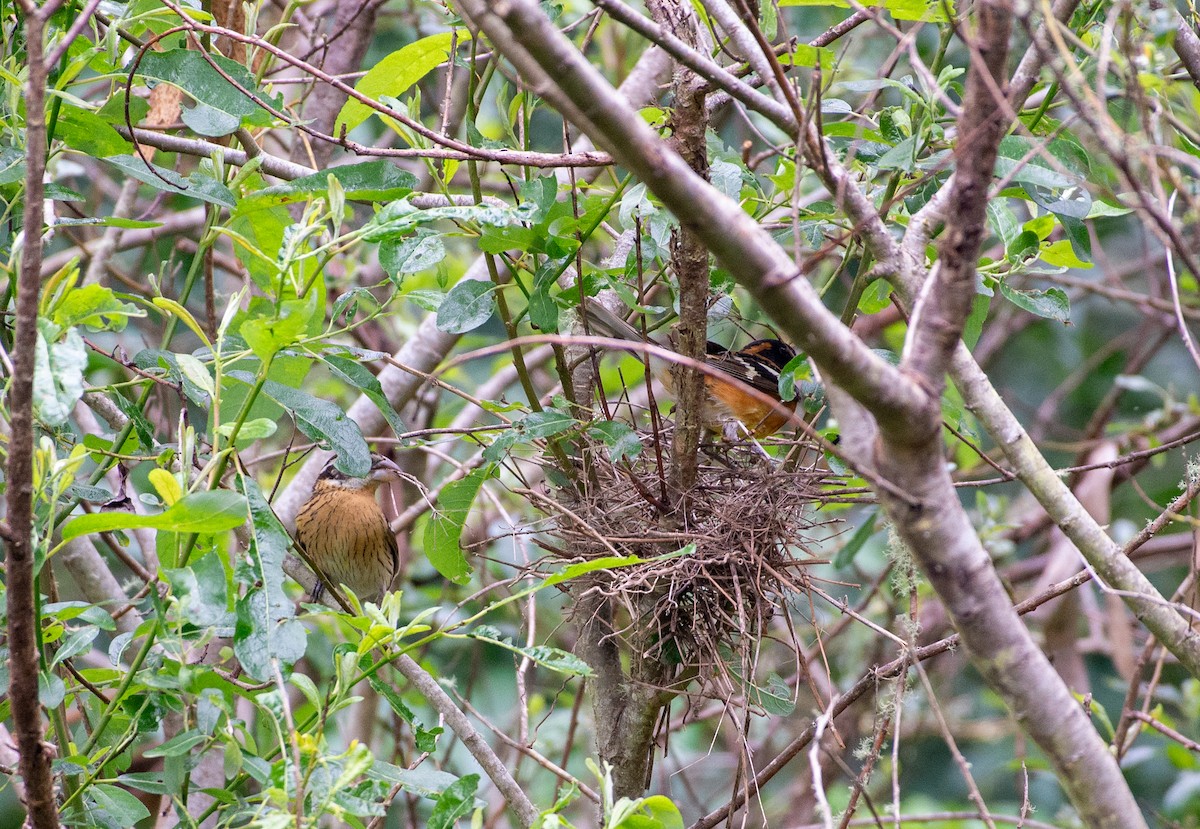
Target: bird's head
(382, 470)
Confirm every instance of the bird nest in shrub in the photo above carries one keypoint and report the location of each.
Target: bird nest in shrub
(709, 576)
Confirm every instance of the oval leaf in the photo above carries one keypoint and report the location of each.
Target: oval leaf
(202, 512)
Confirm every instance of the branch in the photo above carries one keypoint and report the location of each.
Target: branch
(945, 300)
(22, 613)
(930, 518)
(557, 72)
(430, 345)
(689, 256)
(496, 771)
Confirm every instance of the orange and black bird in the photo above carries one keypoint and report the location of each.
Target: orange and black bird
(729, 409)
(344, 533)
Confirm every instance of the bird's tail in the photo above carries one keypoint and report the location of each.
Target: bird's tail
(605, 323)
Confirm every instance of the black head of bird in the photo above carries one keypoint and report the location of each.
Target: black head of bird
(730, 409)
(344, 533)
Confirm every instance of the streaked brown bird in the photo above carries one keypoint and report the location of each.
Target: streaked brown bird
(344, 533)
(729, 409)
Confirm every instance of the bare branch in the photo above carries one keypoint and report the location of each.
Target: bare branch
(21, 580)
(495, 769)
(945, 301)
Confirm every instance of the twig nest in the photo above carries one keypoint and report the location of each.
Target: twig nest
(715, 563)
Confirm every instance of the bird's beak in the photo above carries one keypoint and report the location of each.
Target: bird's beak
(384, 469)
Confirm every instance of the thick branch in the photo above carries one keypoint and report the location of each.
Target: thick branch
(945, 302)
(522, 32)
(981, 398)
(931, 519)
(22, 608)
(689, 256)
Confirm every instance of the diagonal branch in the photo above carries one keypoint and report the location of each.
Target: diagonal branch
(909, 451)
(557, 72)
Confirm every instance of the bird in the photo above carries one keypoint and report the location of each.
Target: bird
(730, 410)
(344, 534)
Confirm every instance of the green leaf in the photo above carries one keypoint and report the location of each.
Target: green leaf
(220, 106)
(553, 658)
(51, 690)
(95, 307)
(1062, 254)
(111, 806)
(267, 336)
(543, 309)
(395, 74)
(1051, 303)
(416, 253)
(457, 800)
(376, 181)
(876, 297)
(179, 745)
(423, 780)
(348, 303)
(542, 191)
(508, 238)
(267, 636)
(57, 373)
(445, 526)
(802, 54)
(1024, 245)
(321, 421)
(91, 494)
(74, 643)
(263, 230)
(398, 218)
(618, 437)
(931, 11)
(392, 696)
(257, 429)
(359, 376)
(200, 512)
(147, 781)
(574, 571)
(111, 221)
(197, 185)
(195, 371)
(973, 327)
(202, 590)
(860, 537)
(1019, 160)
(662, 812)
(468, 306)
(88, 133)
(546, 423)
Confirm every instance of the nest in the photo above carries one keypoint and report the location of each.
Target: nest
(714, 571)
